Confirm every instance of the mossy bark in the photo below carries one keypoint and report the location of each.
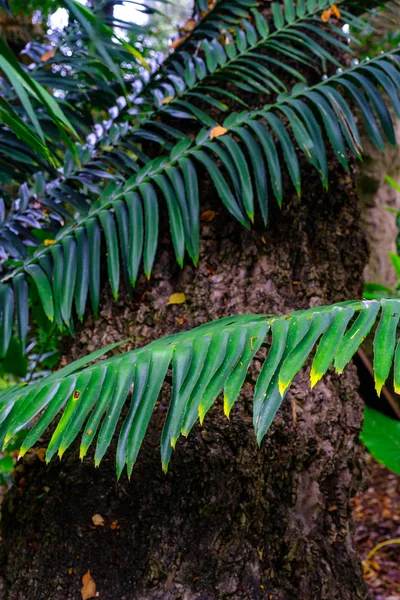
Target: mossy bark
(229, 520)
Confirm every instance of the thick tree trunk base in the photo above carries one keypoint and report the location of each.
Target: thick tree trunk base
(228, 520)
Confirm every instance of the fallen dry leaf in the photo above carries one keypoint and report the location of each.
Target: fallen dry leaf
(335, 10)
(177, 298)
(217, 131)
(88, 589)
(98, 520)
(207, 216)
(48, 55)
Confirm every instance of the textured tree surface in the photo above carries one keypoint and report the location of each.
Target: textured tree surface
(229, 520)
(376, 195)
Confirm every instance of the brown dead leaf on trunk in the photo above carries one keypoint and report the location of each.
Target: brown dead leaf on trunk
(207, 216)
(89, 587)
(98, 520)
(177, 298)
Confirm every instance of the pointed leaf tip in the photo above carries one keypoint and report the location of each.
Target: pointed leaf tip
(378, 387)
(282, 387)
(314, 378)
(202, 414)
(227, 408)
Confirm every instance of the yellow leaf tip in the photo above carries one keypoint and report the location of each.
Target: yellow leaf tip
(314, 378)
(227, 408)
(282, 387)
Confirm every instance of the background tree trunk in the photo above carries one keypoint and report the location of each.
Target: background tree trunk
(376, 195)
(229, 520)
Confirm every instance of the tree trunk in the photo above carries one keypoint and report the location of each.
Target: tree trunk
(376, 195)
(229, 520)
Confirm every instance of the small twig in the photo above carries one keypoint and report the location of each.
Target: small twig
(379, 546)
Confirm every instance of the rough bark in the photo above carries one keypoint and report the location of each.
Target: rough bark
(229, 520)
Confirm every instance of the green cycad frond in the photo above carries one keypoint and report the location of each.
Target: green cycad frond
(242, 57)
(227, 17)
(204, 361)
(245, 58)
(243, 165)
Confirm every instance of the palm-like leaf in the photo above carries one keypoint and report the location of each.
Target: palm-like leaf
(248, 57)
(204, 361)
(248, 169)
(245, 60)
